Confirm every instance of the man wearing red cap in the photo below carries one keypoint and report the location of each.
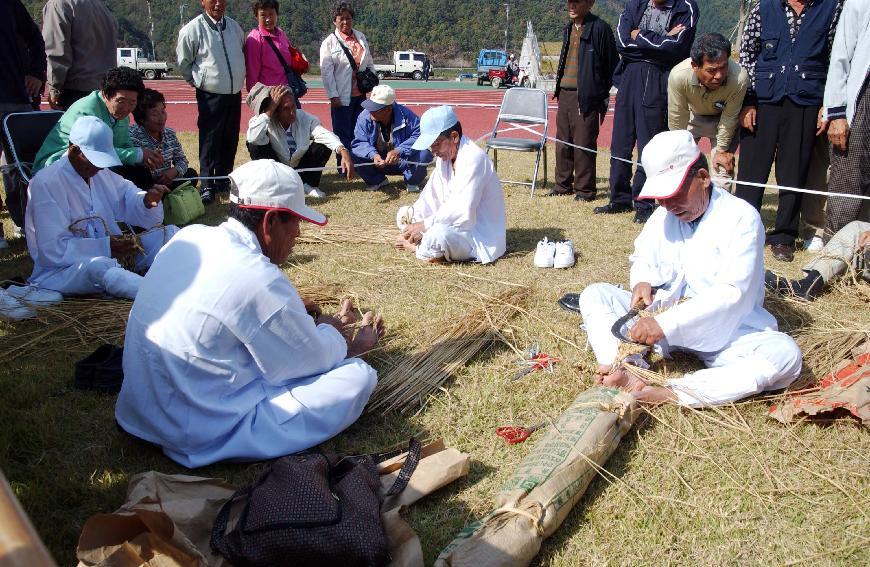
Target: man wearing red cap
(222, 358)
(698, 264)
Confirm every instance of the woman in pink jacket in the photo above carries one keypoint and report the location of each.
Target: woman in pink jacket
(261, 60)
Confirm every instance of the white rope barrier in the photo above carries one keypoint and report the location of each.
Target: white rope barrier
(302, 170)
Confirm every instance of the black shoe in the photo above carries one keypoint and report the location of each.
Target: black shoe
(611, 209)
(584, 198)
(570, 302)
(101, 371)
(207, 196)
(555, 193)
(783, 252)
(776, 283)
(642, 215)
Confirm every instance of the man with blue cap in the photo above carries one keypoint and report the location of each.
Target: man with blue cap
(73, 210)
(460, 214)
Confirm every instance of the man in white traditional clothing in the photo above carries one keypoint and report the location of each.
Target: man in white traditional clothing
(73, 210)
(700, 256)
(222, 358)
(460, 214)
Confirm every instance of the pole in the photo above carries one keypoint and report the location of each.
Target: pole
(507, 20)
(151, 35)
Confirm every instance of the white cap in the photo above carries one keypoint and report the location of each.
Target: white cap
(666, 161)
(382, 95)
(94, 138)
(268, 184)
(432, 123)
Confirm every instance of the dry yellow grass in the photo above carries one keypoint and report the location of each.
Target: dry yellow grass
(719, 487)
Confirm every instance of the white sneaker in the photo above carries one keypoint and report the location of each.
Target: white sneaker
(17, 231)
(314, 192)
(814, 244)
(412, 188)
(35, 296)
(564, 256)
(544, 253)
(3, 244)
(13, 308)
(380, 185)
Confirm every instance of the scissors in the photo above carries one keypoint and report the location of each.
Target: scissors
(515, 434)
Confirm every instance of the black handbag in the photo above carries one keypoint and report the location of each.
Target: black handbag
(312, 509)
(365, 79)
(295, 82)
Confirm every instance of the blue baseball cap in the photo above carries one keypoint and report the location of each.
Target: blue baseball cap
(432, 123)
(95, 139)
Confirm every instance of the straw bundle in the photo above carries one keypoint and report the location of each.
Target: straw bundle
(369, 234)
(408, 384)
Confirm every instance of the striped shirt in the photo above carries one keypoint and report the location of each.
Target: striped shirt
(168, 146)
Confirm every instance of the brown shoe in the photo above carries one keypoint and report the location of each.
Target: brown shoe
(782, 252)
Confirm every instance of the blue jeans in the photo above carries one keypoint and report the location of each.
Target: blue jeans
(344, 121)
(413, 174)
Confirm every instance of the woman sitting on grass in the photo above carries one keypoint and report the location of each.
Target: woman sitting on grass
(151, 132)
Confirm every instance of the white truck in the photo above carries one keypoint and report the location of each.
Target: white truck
(405, 64)
(134, 58)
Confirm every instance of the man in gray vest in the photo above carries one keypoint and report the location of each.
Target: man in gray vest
(210, 58)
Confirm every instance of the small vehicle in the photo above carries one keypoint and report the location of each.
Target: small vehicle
(134, 58)
(499, 78)
(491, 67)
(407, 64)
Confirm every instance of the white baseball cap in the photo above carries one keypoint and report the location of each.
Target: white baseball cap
(382, 95)
(270, 185)
(666, 161)
(432, 123)
(94, 138)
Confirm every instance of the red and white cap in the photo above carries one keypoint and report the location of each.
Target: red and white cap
(267, 184)
(666, 161)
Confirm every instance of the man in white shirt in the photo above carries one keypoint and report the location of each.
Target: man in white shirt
(700, 256)
(222, 358)
(460, 214)
(73, 210)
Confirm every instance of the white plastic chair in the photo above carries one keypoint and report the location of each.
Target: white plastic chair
(526, 108)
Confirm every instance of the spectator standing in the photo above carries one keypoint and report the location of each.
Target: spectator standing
(586, 64)
(652, 37)
(785, 49)
(18, 82)
(80, 41)
(262, 47)
(339, 80)
(847, 106)
(151, 132)
(427, 69)
(705, 95)
(212, 60)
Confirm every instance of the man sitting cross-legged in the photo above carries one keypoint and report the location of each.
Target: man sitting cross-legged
(280, 131)
(222, 358)
(705, 247)
(73, 210)
(460, 214)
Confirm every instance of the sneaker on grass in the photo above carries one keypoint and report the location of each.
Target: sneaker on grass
(564, 256)
(377, 187)
(545, 253)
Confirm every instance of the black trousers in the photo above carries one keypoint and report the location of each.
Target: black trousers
(218, 124)
(316, 156)
(69, 96)
(785, 133)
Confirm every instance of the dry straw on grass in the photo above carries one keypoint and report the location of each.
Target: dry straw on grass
(368, 234)
(407, 386)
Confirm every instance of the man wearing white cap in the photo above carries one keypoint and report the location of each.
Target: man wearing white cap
(385, 134)
(73, 209)
(460, 214)
(700, 256)
(222, 358)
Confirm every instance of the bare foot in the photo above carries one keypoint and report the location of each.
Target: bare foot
(655, 395)
(603, 370)
(624, 380)
(404, 244)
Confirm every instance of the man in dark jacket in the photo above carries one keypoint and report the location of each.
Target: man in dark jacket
(652, 37)
(583, 83)
(22, 74)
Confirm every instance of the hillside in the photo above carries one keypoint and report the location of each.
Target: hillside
(449, 30)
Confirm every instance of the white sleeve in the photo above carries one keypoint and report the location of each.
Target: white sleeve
(843, 49)
(327, 69)
(130, 206)
(258, 130)
(323, 136)
(185, 52)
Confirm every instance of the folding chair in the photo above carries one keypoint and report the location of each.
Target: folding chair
(526, 110)
(24, 133)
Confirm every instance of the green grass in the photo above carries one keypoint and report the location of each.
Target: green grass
(685, 487)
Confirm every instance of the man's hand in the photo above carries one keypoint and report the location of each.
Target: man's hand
(155, 195)
(821, 123)
(312, 308)
(676, 30)
(335, 102)
(634, 34)
(32, 85)
(379, 161)
(347, 166)
(646, 331)
(864, 239)
(414, 232)
(642, 293)
(151, 159)
(336, 324)
(275, 95)
(747, 117)
(724, 160)
(168, 176)
(838, 133)
(54, 100)
(368, 335)
(392, 157)
(122, 247)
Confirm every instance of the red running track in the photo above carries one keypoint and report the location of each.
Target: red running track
(476, 109)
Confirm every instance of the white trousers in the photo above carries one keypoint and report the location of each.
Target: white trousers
(755, 361)
(443, 241)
